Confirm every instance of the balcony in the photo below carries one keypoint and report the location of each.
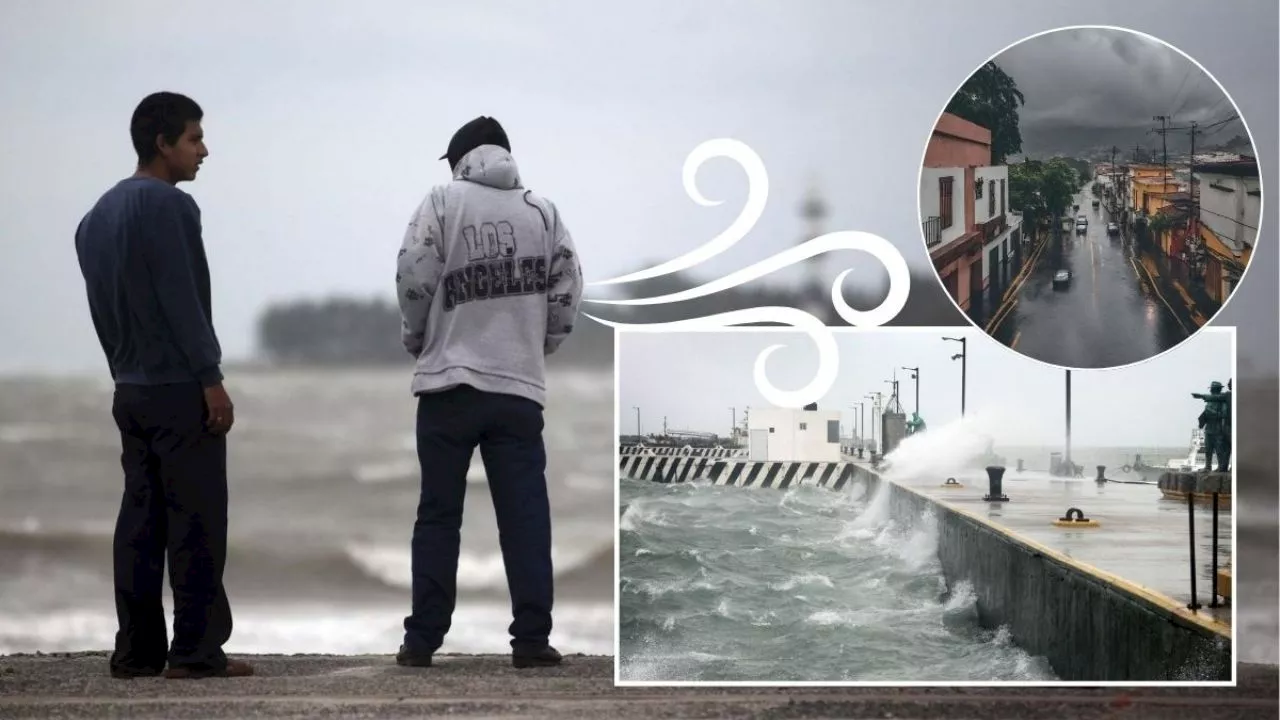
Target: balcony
(932, 231)
(992, 228)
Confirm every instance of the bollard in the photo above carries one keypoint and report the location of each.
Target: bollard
(1074, 518)
(1020, 465)
(860, 453)
(995, 478)
(1102, 473)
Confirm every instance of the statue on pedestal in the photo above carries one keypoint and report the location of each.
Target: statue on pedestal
(915, 424)
(1215, 420)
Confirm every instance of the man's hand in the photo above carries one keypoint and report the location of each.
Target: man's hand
(221, 413)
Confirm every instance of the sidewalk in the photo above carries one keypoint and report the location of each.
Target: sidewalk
(1187, 300)
(310, 686)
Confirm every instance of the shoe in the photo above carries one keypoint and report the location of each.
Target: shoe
(234, 668)
(129, 673)
(545, 656)
(409, 659)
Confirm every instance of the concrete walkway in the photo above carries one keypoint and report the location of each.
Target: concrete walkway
(77, 686)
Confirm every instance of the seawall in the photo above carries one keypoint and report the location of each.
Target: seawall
(1089, 624)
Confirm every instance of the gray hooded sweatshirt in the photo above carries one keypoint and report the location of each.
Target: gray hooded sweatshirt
(488, 280)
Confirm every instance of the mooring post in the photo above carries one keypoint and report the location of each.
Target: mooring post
(1191, 534)
(1213, 602)
(1102, 473)
(995, 482)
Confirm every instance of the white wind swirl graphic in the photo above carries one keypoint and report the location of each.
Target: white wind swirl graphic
(821, 335)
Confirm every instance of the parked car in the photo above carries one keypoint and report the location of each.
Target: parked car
(1061, 279)
(1113, 229)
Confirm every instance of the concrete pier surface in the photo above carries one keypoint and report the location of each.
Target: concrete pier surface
(77, 685)
(1141, 536)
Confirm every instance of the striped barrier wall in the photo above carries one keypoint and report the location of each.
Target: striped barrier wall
(743, 473)
(682, 451)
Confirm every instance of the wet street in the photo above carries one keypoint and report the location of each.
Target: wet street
(1106, 316)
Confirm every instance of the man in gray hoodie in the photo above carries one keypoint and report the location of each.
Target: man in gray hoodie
(489, 285)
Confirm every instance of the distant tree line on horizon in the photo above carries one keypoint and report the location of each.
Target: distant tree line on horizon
(341, 330)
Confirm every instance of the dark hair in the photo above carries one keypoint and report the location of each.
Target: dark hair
(162, 113)
(483, 130)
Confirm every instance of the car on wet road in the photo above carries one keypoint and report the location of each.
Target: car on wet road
(1082, 224)
(1113, 229)
(1061, 279)
(1096, 203)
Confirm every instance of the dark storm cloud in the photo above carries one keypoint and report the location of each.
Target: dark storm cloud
(1097, 78)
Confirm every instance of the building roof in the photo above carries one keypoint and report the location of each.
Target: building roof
(1244, 167)
(958, 127)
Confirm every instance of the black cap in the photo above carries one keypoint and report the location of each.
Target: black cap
(484, 130)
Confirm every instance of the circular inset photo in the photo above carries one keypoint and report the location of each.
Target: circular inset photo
(1090, 197)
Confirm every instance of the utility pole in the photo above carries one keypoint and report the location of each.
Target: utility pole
(915, 375)
(1115, 189)
(963, 357)
(1193, 219)
(1164, 146)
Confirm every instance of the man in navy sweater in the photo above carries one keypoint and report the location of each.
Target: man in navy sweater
(147, 279)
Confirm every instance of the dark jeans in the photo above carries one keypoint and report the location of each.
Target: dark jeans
(508, 430)
(175, 503)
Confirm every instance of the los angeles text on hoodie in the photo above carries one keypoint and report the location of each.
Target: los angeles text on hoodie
(488, 280)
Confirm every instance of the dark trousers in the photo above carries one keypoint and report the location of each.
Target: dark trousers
(175, 504)
(508, 431)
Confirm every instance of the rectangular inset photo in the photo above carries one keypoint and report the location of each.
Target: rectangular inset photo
(946, 511)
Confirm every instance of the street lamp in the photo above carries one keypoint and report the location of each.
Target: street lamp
(874, 443)
(963, 357)
(915, 375)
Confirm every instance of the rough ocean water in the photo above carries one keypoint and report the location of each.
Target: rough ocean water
(324, 487)
(807, 584)
(730, 583)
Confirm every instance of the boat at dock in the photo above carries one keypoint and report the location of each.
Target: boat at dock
(1195, 458)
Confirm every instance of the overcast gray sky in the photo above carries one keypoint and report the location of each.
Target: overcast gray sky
(324, 120)
(696, 379)
(1106, 78)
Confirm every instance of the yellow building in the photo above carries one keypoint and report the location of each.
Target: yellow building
(1150, 192)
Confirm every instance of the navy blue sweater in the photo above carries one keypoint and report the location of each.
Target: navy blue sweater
(147, 280)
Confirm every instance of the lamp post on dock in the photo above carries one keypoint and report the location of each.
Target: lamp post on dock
(1067, 454)
(872, 398)
(857, 429)
(963, 357)
(915, 375)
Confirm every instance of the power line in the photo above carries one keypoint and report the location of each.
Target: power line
(1186, 99)
(1228, 217)
(1181, 85)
